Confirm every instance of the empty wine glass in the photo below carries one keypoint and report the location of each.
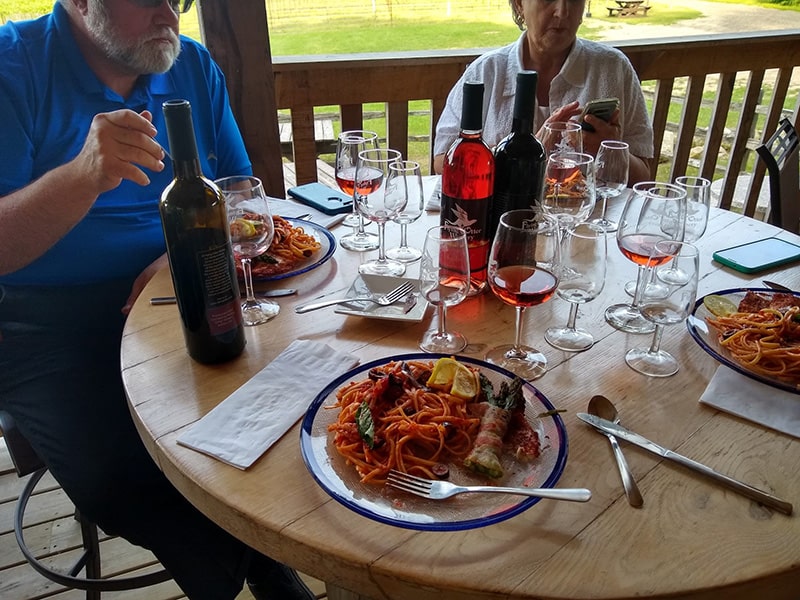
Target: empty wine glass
(523, 263)
(640, 229)
(252, 230)
(611, 176)
(380, 194)
(668, 309)
(348, 145)
(444, 281)
(569, 191)
(698, 205)
(581, 279)
(414, 208)
(562, 136)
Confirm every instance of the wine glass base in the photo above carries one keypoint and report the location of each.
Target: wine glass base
(673, 276)
(569, 339)
(255, 312)
(524, 361)
(359, 242)
(605, 224)
(382, 267)
(652, 364)
(442, 343)
(628, 319)
(352, 220)
(404, 254)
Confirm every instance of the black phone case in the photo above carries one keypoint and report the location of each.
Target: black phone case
(605, 114)
(321, 197)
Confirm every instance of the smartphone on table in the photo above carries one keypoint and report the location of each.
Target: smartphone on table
(602, 109)
(757, 256)
(321, 197)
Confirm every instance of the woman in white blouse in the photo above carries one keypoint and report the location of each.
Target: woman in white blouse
(572, 71)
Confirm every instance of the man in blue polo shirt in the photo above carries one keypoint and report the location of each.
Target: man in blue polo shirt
(81, 171)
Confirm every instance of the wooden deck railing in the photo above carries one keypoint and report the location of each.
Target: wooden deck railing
(713, 98)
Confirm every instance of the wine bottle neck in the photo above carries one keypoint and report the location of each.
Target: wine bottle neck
(182, 142)
(186, 169)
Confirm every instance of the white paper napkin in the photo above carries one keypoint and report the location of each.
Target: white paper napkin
(244, 425)
(734, 393)
(291, 208)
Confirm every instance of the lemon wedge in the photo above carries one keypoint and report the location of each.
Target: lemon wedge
(465, 383)
(720, 305)
(443, 374)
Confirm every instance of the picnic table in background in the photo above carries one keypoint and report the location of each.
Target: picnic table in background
(629, 8)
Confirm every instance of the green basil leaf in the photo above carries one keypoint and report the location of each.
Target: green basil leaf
(366, 426)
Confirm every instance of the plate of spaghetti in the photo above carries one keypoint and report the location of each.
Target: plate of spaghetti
(298, 246)
(416, 413)
(759, 338)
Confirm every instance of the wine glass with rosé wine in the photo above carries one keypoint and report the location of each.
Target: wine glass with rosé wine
(348, 145)
(523, 272)
(641, 227)
(444, 280)
(252, 231)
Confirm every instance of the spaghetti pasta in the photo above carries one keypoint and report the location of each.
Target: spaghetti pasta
(290, 246)
(413, 427)
(767, 341)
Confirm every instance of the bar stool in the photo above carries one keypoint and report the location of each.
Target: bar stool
(27, 462)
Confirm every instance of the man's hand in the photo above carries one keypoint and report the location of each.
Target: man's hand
(141, 281)
(117, 142)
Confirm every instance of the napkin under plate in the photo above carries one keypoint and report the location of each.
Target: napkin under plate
(246, 424)
(734, 393)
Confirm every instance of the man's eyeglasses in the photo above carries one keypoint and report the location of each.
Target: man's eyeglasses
(179, 6)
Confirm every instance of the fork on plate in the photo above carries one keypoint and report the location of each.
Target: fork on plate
(390, 297)
(439, 490)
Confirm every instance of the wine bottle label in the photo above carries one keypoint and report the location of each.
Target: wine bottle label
(470, 215)
(216, 272)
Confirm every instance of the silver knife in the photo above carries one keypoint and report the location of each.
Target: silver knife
(634, 438)
(159, 300)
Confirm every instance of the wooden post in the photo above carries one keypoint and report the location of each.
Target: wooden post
(237, 36)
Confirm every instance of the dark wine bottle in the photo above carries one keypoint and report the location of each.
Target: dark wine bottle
(519, 158)
(468, 184)
(195, 224)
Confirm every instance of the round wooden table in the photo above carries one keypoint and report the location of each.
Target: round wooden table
(692, 538)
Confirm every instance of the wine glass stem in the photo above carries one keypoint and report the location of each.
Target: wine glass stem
(518, 328)
(441, 314)
(403, 235)
(381, 248)
(573, 315)
(655, 344)
(604, 197)
(248, 280)
(641, 284)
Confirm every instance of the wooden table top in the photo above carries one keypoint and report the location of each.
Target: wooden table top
(692, 539)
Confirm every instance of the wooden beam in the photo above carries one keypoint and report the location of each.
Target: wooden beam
(237, 35)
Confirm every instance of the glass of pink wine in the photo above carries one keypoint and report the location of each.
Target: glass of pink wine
(348, 145)
(641, 227)
(523, 267)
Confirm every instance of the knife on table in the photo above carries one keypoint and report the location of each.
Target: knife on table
(634, 438)
(159, 300)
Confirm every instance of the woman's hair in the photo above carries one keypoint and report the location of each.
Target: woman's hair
(519, 19)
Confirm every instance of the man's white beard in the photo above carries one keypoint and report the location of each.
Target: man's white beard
(141, 56)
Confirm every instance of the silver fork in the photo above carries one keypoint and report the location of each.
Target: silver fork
(439, 490)
(386, 299)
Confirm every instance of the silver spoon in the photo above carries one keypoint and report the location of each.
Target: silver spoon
(602, 407)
